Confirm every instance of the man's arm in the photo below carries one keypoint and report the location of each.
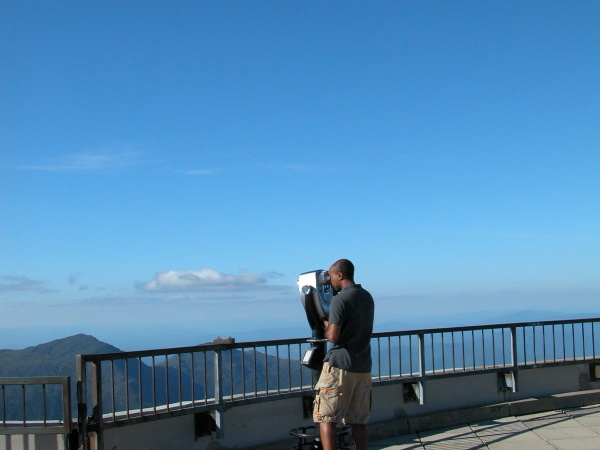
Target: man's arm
(332, 331)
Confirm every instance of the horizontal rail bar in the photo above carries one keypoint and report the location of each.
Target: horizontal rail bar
(32, 381)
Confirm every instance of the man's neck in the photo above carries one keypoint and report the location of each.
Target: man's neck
(345, 283)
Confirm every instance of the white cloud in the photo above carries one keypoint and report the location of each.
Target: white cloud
(205, 279)
(112, 156)
(21, 284)
(273, 275)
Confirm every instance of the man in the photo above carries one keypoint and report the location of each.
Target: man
(344, 387)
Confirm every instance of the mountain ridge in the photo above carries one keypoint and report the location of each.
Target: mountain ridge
(54, 358)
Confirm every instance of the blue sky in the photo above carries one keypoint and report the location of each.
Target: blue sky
(173, 166)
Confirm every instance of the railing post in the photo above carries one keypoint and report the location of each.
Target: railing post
(218, 381)
(419, 387)
(66, 406)
(97, 403)
(82, 402)
(514, 357)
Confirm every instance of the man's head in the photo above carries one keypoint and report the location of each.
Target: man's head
(341, 273)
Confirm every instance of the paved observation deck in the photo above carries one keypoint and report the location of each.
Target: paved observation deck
(573, 428)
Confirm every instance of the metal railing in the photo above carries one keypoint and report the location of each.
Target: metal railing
(130, 387)
(428, 353)
(29, 405)
(146, 385)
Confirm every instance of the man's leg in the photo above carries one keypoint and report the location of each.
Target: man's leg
(327, 431)
(359, 435)
(359, 409)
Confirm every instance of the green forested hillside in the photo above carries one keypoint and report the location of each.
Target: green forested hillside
(55, 358)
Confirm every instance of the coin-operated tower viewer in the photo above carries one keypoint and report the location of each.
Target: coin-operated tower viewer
(316, 294)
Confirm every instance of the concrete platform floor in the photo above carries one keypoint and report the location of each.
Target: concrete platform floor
(566, 429)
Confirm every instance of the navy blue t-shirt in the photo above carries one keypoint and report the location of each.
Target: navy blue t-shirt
(353, 309)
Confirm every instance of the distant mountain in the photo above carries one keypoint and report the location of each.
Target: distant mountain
(55, 358)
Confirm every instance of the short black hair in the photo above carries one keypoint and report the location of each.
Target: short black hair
(346, 267)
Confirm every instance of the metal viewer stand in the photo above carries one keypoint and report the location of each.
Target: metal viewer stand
(308, 438)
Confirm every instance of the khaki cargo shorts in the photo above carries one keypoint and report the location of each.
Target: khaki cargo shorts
(342, 396)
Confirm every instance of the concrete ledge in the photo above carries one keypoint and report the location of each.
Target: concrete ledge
(557, 401)
(444, 419)
(388, 429)
(458, 416)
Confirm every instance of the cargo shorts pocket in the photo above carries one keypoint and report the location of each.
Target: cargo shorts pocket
(328, 394)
